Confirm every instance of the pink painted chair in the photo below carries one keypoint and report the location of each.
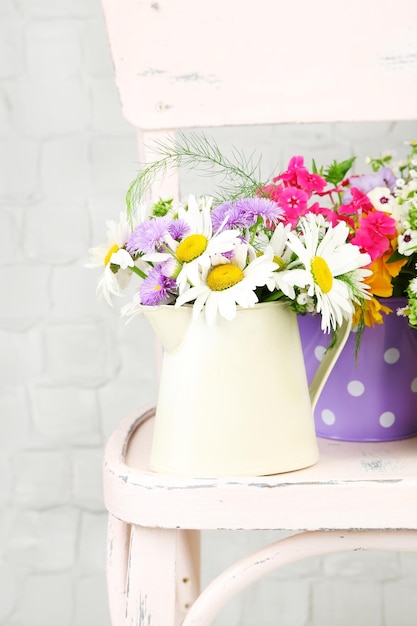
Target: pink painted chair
(178, 66)
(155, 519)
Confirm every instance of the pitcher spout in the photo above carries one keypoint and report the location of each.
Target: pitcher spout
(169, 323)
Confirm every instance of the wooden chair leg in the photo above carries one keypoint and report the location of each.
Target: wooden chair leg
(118, 537)
(150, 589)
(187, 572)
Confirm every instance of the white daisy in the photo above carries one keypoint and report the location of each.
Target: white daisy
(132, 309)
(230, 283)
(195, 250)
(281, 278)
(111, 255)
(194, 253)
(331, 269)
(197, 213)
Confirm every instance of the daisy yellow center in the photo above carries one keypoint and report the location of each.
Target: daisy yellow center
(224, 276)
(321, 274)
(111, 251)
(191, 248)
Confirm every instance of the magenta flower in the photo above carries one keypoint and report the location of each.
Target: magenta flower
(157, 288)
(290, 175)
(373, 235)
(297, 175)
(149, 235)
(329, 215)
(273, 192)
(294, 202)
(380, 222)
(359, 201)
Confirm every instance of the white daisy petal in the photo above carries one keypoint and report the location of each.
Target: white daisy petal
(324, 260)
(122, 258)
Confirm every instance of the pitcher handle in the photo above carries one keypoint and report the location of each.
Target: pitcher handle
(328, 361)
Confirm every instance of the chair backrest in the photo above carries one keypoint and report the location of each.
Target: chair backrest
(190, 63)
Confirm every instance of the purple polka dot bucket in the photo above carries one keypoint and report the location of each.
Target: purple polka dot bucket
(375, 398)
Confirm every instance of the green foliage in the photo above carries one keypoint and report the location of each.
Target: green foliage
(162, 207)
(240, 176)
(336, 172)
(412, 218)
(383, 161)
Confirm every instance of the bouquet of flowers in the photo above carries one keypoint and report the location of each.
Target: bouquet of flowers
(380, 210)
(324, 242)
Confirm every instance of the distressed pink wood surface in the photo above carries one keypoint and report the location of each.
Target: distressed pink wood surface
(178, 63)
(118, 539)
(150, 595)
(362, 486)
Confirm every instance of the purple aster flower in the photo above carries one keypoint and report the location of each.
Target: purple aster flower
(227, 216)
(244, 213)
(178, 229)
(157, 288)
(260, 207)
(149, 235)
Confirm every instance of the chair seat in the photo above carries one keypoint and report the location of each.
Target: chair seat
(369, 485)
(357, 497)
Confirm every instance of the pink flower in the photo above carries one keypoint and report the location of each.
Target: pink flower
(381, 222)
(294, 202)
(330, 215)
(359, 202)
(297, 175)
(311, 182)
(273, 192)
(290, 176)
(374, 232)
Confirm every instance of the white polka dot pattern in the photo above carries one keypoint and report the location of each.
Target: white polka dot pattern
(328, 417)
(373, 397)
(387, 419)
(355, 388)
(391, 355)
(319, 352)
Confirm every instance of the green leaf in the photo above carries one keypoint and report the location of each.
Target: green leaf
(336, 172)
(395, 256)
(162, 207)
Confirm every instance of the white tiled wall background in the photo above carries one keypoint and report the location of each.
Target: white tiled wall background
(70, 370)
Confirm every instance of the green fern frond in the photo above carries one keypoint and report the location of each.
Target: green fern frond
(240, 175)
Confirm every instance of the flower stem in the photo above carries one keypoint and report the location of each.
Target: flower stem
(137, 271)
(254, 229)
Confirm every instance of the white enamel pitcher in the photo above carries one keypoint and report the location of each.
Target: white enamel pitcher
(233, 398)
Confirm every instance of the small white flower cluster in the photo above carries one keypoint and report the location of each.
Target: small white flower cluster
(403, 205)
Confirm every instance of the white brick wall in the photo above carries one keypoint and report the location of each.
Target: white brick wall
(71, 370)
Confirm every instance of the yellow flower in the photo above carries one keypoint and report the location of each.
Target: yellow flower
(382, 274)
(370, 313)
